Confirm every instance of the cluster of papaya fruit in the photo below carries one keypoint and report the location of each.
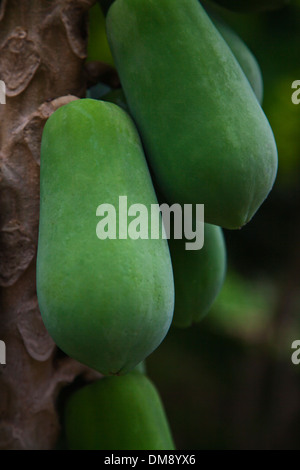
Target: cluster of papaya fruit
(187, 127)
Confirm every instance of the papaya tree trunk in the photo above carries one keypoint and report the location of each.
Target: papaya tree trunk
(42, 52)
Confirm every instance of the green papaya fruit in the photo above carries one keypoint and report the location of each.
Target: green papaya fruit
(97, 46)
(206, 137)
(243, 55)
(141, 367)
(116, 96)
(198, 276)
(241, 52)
(117, 413)
(106, 302)
(251, 6)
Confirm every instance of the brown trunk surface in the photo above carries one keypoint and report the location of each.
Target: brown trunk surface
(42, 52)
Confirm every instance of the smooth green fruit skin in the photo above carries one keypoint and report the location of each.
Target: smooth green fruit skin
(242, 53)
(204, 132)
(117, 97)
(198, 276)
(251, 6)
(107, 303)
(97, 47)
(141, 367)
(244, 57)
(117, 413)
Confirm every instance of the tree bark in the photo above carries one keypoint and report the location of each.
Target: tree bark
(42, 52)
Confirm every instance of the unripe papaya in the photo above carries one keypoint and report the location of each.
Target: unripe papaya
(205, 135)
(106, 302)
(116, 96)
(241, 52)
(141, 367)
(97, 47)
(251, 6)
(117, 413)
(243, 55)
(198, 276)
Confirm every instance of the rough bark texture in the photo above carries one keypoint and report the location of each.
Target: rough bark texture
(42, 52)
